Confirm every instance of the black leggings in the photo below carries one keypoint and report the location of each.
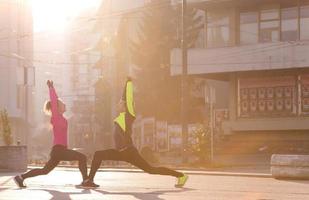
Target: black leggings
(60, 153)
(130, 155)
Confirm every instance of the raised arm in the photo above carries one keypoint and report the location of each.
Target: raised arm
(126, 118)
(128, 97)
(53, 98)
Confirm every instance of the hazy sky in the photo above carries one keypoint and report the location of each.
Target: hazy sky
(55, 15)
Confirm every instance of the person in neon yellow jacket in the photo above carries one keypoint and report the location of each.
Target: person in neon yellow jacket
(125, 150)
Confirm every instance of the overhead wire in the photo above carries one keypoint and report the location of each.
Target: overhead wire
(252, 51)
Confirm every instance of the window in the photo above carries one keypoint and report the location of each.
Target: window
(248, 28)
(304, 22)
(218, 30)
(270, 14)
(201, 38)
(289, 24)
(20, 96)
(269, 25)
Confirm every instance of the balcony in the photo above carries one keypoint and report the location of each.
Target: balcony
(263, 56)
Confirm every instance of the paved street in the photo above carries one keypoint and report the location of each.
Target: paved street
(120, 185)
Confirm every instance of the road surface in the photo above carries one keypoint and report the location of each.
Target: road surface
(123, 185)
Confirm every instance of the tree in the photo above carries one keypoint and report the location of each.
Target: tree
(158, 94)
(6, 128)
(103, 105)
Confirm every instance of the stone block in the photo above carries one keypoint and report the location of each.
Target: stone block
(13, 158)
(290, 166)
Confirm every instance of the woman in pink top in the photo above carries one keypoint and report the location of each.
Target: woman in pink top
(59, 151)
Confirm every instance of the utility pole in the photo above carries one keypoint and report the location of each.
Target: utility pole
(209, 97)
(22, 64)
(211, 122)
(184, 85)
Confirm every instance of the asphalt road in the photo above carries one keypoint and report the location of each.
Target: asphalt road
(60, 184)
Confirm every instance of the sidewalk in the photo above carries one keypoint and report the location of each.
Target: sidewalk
(240, 172)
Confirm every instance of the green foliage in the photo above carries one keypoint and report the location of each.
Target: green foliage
(158, 94)
(202, 146)
(6, 128)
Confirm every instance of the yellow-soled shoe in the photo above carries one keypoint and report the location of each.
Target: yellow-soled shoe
(181, 181)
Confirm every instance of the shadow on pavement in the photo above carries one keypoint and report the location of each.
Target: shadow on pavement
(2, 189)
(57, 195)
(154, 195)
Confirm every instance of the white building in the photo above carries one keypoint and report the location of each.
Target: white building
(16, 68)
(260, 49)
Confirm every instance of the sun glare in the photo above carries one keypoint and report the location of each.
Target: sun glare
(55, 15)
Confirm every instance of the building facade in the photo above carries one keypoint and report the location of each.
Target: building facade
(16, 67)
(260, 49)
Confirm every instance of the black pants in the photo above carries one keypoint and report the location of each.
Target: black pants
(130, 155)
(60, 153)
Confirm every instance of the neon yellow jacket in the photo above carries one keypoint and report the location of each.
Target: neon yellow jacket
(125, 119)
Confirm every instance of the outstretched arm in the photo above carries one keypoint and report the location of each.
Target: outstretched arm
(53, 97)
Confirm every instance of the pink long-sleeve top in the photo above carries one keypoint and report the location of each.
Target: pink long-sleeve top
(60, 124)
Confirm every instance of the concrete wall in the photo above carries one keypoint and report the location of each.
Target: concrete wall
(266, 124)
(297, 122)
(13, 158)
(242, 160)
(265, 56)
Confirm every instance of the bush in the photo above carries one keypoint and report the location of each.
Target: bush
(202, 148)
(6, 128)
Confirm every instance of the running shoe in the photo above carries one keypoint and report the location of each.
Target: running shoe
(181, 181)
(19, 182)
(88, 184)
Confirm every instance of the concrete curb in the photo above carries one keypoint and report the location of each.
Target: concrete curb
(194, 172)
(189, 172)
